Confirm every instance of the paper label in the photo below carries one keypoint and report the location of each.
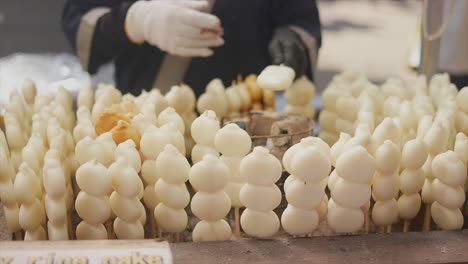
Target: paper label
(85, 252)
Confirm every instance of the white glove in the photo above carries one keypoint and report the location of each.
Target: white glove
(177, 27)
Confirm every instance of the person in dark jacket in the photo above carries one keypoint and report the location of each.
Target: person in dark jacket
(161, 43)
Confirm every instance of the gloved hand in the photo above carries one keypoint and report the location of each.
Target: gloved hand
(177, 27)
(287, 48)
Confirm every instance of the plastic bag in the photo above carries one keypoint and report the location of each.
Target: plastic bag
(48, 71)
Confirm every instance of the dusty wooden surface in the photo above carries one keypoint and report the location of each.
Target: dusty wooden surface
(414, 247)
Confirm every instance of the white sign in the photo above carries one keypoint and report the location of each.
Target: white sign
(85, 252)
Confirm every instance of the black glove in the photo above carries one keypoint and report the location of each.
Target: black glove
(286, 48)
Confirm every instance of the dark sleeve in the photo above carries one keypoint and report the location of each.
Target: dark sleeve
(95, 29)
(302, 17)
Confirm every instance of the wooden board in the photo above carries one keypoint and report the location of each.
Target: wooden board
(413, 247)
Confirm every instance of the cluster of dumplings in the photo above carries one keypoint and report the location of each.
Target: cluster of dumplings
(121, 160)
(404, 126)
(241, 97)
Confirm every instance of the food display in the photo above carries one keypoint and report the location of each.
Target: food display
(260, 195)
(128, 190)
(351, 191)
(448, 190)
(28, 193)
(233, 143)
(385, 184)
(309, 164)
(412, 178)
(211, 203)
(171, 190)
(57, 198)
(128, 166)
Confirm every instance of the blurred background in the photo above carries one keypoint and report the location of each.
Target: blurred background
(373, 37)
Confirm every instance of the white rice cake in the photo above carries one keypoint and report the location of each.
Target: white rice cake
(276, 77)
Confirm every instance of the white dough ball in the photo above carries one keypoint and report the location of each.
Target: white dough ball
(427, 194)
(305, 196)
(36, 234)
(299, 222)
(170, 219)
(94, 210)
(56, 210)
(414, 154)
(387, 157)
(173, 195)
(344, 220)
(350, 194)
(149, 197)
(409, 205)
(27, 186)
(411, 181)
(210, 206)
(259, 224)
(149, 172)
(153, 141)
(385, 212)
(92, 178)
(128, 230)
(449, 169)
(310, 164)
(356, 165)
(57, 232)
(385, 187)
(446, 219)
(448, 196)
(327, 120)
(125, 179)
(231, 140)
(31, 215)
(172, 165)
(301, 92)
(260, 167)
(211, 231)
(170, 116)
(128, 151)
(209, 175)
(260, 198)
(127, 209)
(204, 128)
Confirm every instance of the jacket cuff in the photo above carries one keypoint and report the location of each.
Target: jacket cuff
(86, 29)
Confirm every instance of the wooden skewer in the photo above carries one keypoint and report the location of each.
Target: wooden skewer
(70, 225)
(406, 225)
(236, 217)
(110, 229)
(159, 230)
(17, 235)
(177, 238)
(153, 224)
(366, 222)
(389, 228)
(427, 218)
